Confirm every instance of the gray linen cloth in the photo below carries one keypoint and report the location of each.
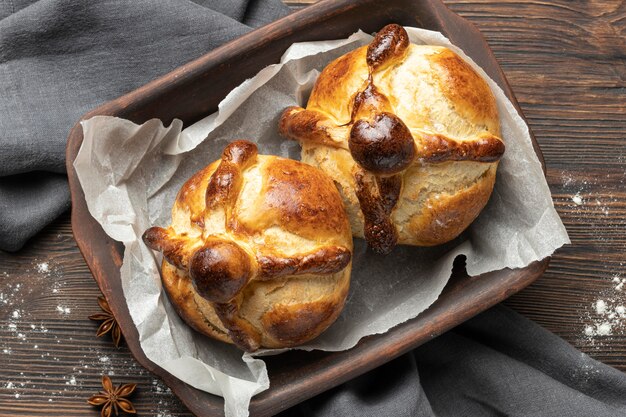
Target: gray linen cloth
(496, 364)
(62, 58)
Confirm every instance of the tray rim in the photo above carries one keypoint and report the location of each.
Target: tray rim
(353, 366)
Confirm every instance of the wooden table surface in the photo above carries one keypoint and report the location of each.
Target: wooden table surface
(566, 63)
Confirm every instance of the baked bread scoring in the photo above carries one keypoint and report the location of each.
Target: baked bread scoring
(410, 134)
(259, 250)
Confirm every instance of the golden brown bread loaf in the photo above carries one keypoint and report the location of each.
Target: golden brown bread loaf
(259, 250)
(410, 134)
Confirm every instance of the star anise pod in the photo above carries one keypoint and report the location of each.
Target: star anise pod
(112, 399)
(109, 324)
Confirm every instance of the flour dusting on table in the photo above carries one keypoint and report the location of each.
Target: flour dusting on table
(608, 312)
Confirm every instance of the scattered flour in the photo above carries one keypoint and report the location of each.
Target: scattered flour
(604, 329)
(164, 404)
(610, 312)
(63, 310)
(43, 268)
(26, 333)
(593, 202)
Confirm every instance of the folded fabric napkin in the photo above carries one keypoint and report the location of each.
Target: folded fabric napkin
(496, 364)
(62, 58)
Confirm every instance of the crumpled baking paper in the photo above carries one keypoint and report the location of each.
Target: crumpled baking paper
(130, 175)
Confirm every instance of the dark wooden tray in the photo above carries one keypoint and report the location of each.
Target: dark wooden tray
(193, 91)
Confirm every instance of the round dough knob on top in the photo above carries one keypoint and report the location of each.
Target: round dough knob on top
(259, 250)
(409, 133)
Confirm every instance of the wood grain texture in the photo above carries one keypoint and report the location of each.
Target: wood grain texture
(566, 62)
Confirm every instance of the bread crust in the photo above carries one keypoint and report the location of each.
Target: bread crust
(259, 250)
(364, 108)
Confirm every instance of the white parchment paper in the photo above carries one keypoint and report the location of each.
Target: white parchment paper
(130, 175)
